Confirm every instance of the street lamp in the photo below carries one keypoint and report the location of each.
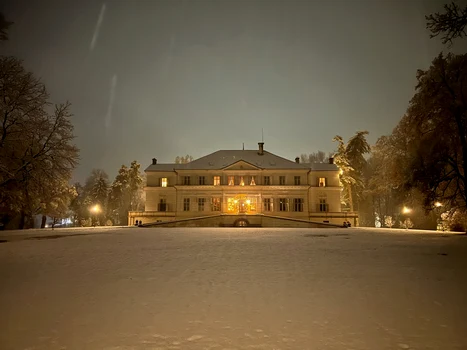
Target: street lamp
(96, 209)
(439, 221)
(406, 210)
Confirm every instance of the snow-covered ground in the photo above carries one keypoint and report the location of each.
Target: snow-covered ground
(233, 288)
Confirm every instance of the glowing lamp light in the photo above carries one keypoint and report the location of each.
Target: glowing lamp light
(96, 209)
(438, 204)
(248, 201)
(406, 210)
(235, 201)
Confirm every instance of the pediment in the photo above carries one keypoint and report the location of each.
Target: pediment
(241, 165)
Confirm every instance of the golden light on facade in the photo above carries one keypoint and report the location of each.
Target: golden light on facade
(248, 201)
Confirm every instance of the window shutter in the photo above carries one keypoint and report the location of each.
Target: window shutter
(317, 182)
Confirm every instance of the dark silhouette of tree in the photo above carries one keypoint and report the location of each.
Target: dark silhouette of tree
(4, 26)
(37, 154)
(450, 24)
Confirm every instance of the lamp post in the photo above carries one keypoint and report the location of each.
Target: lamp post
(96, 209)
(407, 221)
(439, 223)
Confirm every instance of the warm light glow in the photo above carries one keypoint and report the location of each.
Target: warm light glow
(248, 201)
(438, 204)
(406, 210)
(96, 209)
(235, 201)
(164, 182)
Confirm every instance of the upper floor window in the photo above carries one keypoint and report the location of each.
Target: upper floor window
(298, 204)
(242, 182)
(217, 180)
(201, 202)
(186, 204)
(296, 180)
(186, 180)
(322, 182)
(281, 180)
(202, 180)
(164, 182)
(267, 180)
(231, 180)
(283, 204)
(252, 182)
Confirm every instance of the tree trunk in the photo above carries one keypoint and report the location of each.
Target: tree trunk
(43, 221)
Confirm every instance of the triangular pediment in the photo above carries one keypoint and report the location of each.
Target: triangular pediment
(241, 165)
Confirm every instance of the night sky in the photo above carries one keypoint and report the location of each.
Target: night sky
(166, 78)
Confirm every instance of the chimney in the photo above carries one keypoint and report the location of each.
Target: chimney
(261, 150)
(331, 160)
(154, 161)
(297, 160)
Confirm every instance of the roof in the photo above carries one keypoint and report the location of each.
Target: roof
(224, 158)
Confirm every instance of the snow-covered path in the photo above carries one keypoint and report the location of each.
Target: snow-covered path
(223, 288)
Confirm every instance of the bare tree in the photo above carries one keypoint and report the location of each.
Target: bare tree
(451, 23)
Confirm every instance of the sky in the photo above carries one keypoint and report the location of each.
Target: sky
(156, 79)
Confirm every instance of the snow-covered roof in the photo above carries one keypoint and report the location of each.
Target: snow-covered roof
(224, 158)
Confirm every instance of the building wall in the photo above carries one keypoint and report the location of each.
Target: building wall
(312, 189)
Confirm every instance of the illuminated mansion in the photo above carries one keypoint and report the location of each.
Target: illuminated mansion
(242, 188)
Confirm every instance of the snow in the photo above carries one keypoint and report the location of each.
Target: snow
(232, 288)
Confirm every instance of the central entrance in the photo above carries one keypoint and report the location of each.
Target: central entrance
(241, 204)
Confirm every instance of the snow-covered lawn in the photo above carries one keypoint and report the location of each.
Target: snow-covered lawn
(225, 288)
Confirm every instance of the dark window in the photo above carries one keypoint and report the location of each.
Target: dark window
(267, 180)
(283, 204)
(186, 180)
(202, 180)
(163, 205)
(201, 202)
(281, 180)
(323, 206)
(267, 204)
(296, 180)
(298, 204)
(186, 204)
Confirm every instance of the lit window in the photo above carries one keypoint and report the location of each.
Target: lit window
(252, 182)
(164, 182)
(216, 204)
(231, 180)
(242, 182)
(217, 180)
(281, 180)
(322, 182)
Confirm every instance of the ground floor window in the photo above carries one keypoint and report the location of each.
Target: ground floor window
(216, 204)
(283, 204)
(201, 202)
(323, 206)
(267, 204)
(186, 204)
(298, 204)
